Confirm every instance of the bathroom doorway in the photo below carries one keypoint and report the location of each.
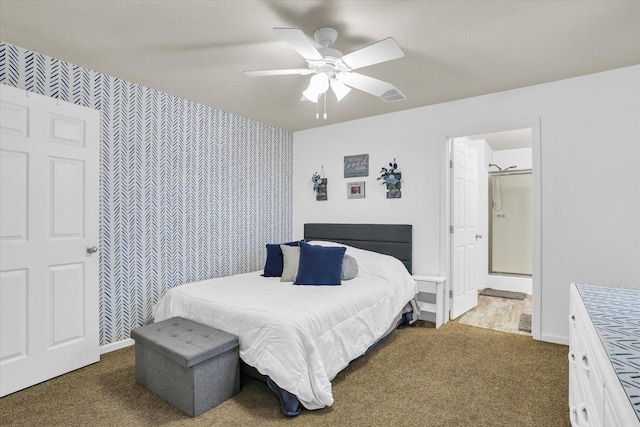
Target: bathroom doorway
(508, 203)
(506, 175)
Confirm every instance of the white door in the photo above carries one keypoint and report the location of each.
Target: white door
(464, 222)
(48, 223)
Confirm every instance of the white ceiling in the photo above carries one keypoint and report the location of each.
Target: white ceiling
(454, 49)
(507, 140)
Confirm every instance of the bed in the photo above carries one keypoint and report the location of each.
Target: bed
(300, 337)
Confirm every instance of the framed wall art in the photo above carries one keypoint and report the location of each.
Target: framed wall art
(357, 165)
(321, 191)
(355, 190)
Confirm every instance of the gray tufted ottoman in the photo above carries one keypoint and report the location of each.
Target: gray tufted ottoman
(192, 366)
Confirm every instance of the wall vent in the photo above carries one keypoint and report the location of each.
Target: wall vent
(393, 95)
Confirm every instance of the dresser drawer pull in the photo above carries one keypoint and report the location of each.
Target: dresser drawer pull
(585, 363)
(584, 413)
(573, 416)
(572, 357)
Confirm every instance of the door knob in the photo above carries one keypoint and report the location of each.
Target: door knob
(478, 236)
(92, 249)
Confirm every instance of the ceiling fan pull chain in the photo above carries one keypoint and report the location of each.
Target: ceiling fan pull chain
(325, 106)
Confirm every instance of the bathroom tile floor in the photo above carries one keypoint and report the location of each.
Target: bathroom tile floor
(501, 314)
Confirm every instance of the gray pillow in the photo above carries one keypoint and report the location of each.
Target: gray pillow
(291, 262)
(349, 268)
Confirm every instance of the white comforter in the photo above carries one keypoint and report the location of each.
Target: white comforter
(300, 336)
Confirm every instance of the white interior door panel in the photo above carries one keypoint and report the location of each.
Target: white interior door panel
(464, 221)
(49, 216)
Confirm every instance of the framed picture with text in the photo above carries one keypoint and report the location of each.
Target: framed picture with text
(357, 165)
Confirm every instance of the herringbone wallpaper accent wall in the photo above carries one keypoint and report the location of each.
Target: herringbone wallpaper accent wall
(187, 192)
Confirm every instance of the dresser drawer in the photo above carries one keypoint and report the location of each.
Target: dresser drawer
(586, 362)
(587, 378)
(575, 395)
(427, 287)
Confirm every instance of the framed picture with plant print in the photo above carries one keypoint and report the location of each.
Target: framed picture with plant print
(391, 178)
(395, 191)
(355, 190)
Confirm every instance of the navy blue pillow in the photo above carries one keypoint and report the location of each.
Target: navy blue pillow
(320, 265)
(274, 263)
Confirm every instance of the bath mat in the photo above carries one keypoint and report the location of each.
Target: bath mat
(525, 323)
(488, 292)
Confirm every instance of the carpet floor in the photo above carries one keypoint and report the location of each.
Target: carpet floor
(457, 375)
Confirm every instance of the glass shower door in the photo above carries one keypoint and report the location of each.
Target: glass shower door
(510, 223)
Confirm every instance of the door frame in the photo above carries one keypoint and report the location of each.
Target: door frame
(445, 208)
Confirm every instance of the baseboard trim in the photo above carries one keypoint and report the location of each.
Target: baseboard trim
(556, 339)
(108, 348)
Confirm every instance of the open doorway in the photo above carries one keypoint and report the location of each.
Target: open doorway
(506, 252)
(506, 200)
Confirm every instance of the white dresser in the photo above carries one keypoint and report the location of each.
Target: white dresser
(604, 356)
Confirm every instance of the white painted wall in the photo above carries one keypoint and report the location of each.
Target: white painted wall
(590, 183)
(521, 157)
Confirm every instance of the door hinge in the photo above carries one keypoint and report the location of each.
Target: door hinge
(451, 229)
(450, 164)
(450, 293)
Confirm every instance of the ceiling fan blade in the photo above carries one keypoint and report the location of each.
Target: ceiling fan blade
(382, 51)
(299, 41)
(366, 84)
(299, 71)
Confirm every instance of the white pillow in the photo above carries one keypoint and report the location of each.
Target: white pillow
(291, 262)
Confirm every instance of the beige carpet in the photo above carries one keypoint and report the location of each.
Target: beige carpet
(454, 376)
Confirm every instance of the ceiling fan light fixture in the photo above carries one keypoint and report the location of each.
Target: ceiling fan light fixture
(311, 95)
(339, 89)
(319, 82)
(330, 68)
(318, 85)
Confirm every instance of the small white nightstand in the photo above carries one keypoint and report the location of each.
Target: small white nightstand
(431, 298)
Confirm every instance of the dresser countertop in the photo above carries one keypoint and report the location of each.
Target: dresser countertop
(615, 314)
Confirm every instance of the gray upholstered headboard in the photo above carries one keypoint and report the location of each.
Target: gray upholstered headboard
(388, 239)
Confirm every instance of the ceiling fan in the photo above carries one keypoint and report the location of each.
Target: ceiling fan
(330, 68)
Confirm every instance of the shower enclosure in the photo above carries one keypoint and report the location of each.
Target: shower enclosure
(510, 222)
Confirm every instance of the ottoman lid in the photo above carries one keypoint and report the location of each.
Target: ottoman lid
(184, 341)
